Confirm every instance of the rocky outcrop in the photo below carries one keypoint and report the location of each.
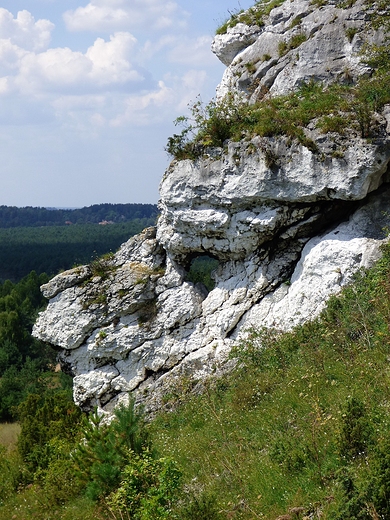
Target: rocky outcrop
(299, 42)
(287, 225)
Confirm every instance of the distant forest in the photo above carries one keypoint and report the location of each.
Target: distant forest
(50, 240)
(11, 216)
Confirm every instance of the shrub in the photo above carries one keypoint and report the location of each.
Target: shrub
(356, 430)
(148, 488)
(104, 453)
(44, 418)
(252, 16)
(379, 488)
(201, 507)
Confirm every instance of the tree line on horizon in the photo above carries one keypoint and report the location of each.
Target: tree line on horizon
(12, 216)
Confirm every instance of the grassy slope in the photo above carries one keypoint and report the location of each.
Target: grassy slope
(303, 421)
(274, 434)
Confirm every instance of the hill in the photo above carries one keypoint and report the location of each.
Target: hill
(298, 429)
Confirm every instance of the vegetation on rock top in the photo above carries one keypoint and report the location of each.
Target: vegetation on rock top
(252, 16)
(336, 108)
(341, 107)
(255, 14)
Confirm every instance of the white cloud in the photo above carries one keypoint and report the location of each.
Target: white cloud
(106, 64)
(103, 87)
(193, 52)
(24, 31)
(162, 103)
(110, 60)
(142, 109)
(113, 15)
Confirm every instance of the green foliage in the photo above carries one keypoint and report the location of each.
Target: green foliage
(293, 43)
(335, 108)
(102, 266)
(201, 271)
(379, 487)
(200, 507)
(23, 359)
(44, 418)
(252, 16)
(209, 126)
(356, 430)
(148, 488)
(55, 248)
(350, 33)
(302, 421)
(11, 216)
(10, 470)
(297, 20)
(103, 455)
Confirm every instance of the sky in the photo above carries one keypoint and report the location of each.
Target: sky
(89, 90)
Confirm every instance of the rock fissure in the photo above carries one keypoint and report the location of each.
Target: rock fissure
(289, 221)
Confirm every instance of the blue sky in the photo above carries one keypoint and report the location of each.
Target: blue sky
(88, 93)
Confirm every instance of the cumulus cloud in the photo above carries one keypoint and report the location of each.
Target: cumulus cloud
(109, 15)
(181, 49)
(24, 31)
(106, 64)
(103, 86)
(111, 60)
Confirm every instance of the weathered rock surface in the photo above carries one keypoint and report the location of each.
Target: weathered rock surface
(287, 233)
(298, 43)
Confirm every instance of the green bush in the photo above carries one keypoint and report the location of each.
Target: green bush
(200, 507)
(10, 470)
(379, 487)
(252, 16)
(103, 455)
(356, 430)
(44, 418)
(148, 488)
(335, 107)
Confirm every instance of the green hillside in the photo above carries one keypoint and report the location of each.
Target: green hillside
(300, 426)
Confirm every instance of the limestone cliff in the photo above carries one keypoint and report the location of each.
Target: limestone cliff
(287, 233)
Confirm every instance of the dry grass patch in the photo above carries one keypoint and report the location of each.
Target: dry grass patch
(9, 433)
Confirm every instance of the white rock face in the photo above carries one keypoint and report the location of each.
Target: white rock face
(286, 235)
(298, 43)
(227, 46)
